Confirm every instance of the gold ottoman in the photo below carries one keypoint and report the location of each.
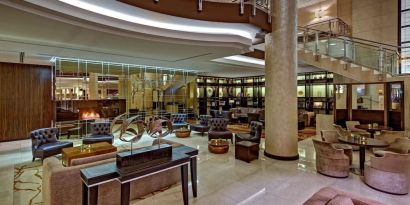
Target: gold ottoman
(218, 146)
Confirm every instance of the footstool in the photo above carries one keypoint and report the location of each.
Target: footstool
(246, 151)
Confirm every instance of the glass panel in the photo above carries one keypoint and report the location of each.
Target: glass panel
(319, 90)
(341, 96)
(396, 96)
(368, 97)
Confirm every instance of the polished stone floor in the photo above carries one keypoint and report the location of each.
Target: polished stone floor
(224, 180)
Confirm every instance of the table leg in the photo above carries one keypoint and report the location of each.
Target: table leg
(125, 193)
(184, 181)
(194, 176)
(90, 195)
(362, 158)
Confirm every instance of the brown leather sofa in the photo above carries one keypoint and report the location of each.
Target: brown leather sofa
(253, 136)
(63, 185)
(389, 173)
(332, 196)
(100, 132)
(203, 125)
(331, 161)
(219, 129)
(44, 143)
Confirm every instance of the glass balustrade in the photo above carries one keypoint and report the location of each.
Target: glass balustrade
(361, 53)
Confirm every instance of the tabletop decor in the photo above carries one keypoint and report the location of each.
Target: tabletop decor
(140, 158)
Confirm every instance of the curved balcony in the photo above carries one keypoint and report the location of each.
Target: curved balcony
(228, 11)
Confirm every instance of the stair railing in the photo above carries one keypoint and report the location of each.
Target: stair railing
(380, 57)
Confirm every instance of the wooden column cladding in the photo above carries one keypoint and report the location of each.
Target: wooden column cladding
(25, 99)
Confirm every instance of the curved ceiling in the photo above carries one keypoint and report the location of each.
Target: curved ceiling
(49, 28)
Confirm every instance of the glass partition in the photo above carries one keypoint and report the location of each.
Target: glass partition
(368, 97)
(87, 91)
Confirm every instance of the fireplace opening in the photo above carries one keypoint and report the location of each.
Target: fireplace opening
(89, 114)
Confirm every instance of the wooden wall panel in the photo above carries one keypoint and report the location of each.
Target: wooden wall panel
(25, 100)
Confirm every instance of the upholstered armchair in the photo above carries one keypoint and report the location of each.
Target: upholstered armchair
(350, 125)
(331, 161)
(100, 132)
(219, 129)
(44, 143)
(398, 142)
(253, 117)
(178, 121)
(253, 136)
(203, 125)
(332, 136)
(389, 173)
(227, 115)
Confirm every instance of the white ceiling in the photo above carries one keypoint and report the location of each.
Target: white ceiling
(42, 37)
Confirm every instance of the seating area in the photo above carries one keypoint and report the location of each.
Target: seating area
(215, 102)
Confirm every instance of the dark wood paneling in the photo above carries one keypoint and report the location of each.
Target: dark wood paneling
(212, 11)
(25, 100)
(342, 115)
(368, 116)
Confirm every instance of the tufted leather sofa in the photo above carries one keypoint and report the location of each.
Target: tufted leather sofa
(389, 173)
(178, 121)
(219, 129)
(331, 161)
(203, 125)
(253, 136)
(100, 132)
(44, 143)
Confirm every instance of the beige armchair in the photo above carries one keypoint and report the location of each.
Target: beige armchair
(389, 173)
(331, 136)
(344, 133)
(399, 142)
(350, 126)
(331, 161)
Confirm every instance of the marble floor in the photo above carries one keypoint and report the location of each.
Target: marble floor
(224, 180)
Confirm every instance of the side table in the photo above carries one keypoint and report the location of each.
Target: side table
(246, 151)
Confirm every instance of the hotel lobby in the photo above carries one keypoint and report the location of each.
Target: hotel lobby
(205, 102)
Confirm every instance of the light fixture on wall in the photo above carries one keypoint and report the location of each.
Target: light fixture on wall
(319, 14)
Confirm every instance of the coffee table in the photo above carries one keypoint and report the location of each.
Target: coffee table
(372, 129)
(68, 154)
(363, 144)
(218, 146)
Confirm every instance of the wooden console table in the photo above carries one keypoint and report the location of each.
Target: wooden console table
(92, 177)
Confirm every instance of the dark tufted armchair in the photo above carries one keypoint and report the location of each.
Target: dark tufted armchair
(203, 125)
(254, 135)
(219, 129)
(178, 121)
(45, 144)
(100, 132)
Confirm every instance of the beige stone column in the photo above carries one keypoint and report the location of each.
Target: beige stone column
(281, 82)
(93, 86)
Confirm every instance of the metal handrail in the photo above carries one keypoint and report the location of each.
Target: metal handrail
(332, 23)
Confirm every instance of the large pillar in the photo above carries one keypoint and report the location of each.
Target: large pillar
(281, 82)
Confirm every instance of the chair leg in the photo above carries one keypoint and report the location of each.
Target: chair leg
(34, 158)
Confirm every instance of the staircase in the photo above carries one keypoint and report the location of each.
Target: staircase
(354, 58)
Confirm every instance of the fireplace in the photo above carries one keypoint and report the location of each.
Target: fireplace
(89, 114)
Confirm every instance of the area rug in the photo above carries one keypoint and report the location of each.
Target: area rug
(27, 183)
